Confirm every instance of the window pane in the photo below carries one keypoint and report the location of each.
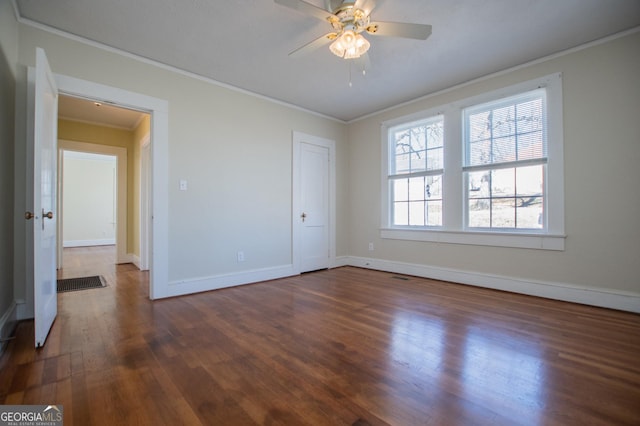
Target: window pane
(506, 133)
(530, 116)
(434, 213)
(417, 138)
(400, 190)
(530, 180)
(400, 214)
(479, 126)
(418, 160)
(503, 213)
(418, 148)
(434, 158)
(416, 213)
(402, 141)
(402, 164)
(529, 213)
(417, 189)
(502, 122)
(433, 187)
(531, 145)
(479, 211)
(478, 184)
(480, 152)
(503, 182)
(504, 149)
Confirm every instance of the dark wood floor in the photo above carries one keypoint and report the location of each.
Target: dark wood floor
(341, 347)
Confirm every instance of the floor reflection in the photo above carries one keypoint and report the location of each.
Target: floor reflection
(504, 370)
(482, 368)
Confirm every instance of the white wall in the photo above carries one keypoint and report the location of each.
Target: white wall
(602, 151)
(89, 203)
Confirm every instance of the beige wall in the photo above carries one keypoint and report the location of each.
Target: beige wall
(601, 93)
(9, 212)
(234, 149)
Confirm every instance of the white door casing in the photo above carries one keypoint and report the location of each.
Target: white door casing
(313, 203)
(145, 203)
(159, 167)
(42, 159)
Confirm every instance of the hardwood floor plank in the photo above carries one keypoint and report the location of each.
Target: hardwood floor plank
(339, 347)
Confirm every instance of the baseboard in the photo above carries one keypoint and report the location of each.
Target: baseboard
(24, 310)
(604, 298)
(135, 260)
(127, 258)
(89, 243)
(341, 261)
(215, 282)
(8, 323)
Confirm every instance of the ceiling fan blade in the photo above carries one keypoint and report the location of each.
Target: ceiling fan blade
(365, 5)
(306, 8)
(400, 29)
(315, 44)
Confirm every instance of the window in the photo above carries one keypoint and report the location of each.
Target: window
(505, 163)
(415, 173)
(486, 170)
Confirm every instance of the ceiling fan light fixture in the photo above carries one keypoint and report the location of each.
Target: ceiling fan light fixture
(350, 45)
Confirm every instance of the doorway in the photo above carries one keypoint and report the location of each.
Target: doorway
(103, 130)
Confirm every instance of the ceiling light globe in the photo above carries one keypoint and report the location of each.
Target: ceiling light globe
(349, 45)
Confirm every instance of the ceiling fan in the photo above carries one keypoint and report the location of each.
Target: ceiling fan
(349, 19)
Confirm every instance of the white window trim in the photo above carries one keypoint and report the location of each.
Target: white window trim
(453, 231)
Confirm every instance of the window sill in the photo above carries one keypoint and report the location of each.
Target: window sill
(478, 238)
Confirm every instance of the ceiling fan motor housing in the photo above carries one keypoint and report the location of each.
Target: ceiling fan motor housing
(346, 18)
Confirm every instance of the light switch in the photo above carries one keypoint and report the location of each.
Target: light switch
(183, 185)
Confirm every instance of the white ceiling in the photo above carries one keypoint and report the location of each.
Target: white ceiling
(245, 43)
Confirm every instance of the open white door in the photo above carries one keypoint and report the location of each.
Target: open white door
(43, 215)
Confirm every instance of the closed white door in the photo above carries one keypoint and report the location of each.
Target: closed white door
(43, 213)
(314, 207)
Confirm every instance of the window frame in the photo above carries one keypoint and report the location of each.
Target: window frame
(468, 168)
(393, 175)
(454, 229)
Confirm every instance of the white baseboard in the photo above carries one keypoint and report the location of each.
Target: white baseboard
(135, 260)
(8, 323)
(127, 258)
(215, 282)
(89, 243)
(341, 261)
(24, 310)
(604, 298)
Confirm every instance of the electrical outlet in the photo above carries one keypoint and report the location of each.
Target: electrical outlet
(370, 246)
(183, 185)
(240, 256)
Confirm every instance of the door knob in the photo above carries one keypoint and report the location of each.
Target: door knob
(29, 215)
(48, 215)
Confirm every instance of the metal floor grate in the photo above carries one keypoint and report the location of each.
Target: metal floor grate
(83, 283)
